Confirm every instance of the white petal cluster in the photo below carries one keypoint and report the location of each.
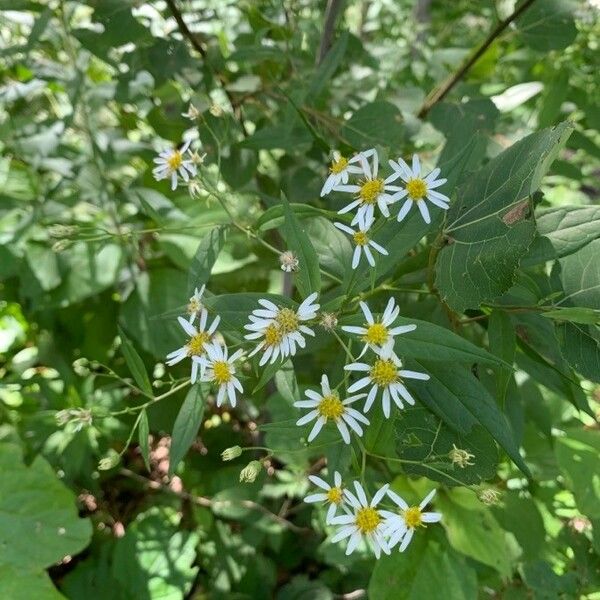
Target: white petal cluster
(172, 164)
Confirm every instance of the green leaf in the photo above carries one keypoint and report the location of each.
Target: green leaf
(431, 342)
(578, 457)
(20, 584)
(585, 316)
(423, 438)
(580, 345)
(308, 277)
(38, 514)
(328, 67)
(135, 364)
(376, 124)
(274, 216)
(580, 276)
(503, 343)
(423, 571)
(473, 531)
(186, 426)
(548, 25)
(462, 401)
(489, 227)
(291, 138)
(143, 434)
(205, 258)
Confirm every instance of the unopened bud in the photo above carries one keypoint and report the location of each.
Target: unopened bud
(460, 457)
(231, 453)
(216, 110)
(61, 231)
(195, 189)
(60, 245)
(250, 472)
(111, 460)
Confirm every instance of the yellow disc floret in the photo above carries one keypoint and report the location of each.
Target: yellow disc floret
(416, 189)
(195, 346)
(331, 407)
(360, 238)
(367, 519)
(175, 160)
(273, 335)
(334, 495)
(370, 190)
(413, 517)
(337, 166)
(376, 334)
(221, 372)
(383, 372)
(287, 320)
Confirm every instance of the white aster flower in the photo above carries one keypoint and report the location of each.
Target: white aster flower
(332, 494)
(375, 334)
(361, 239)
(418, 188)
(171, 162)
(280, 328)
(402, 526)
(385, 374)
(340, 168)
(195, 305)
(365, 523)
(196, 346)
(220, 370)
(328, 405)
(370, 191)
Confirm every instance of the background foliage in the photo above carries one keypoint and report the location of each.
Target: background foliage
(97, 259)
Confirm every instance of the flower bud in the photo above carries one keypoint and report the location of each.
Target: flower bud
(216, 110)
(231, 453)
(250, 472)
(111, 460)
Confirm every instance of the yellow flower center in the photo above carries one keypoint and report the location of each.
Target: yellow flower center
(416, 189)
(195, 346)
(383, 372)
(273, 335)
(367, 519)
(221, 372)
(331, 407)
(370, 190)
(360, 238)
(413, 517)
(334, 495)
(376, 334)
(337, 166)
(287, 319)
(175, 160)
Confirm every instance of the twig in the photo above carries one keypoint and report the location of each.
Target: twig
(440, 92)
(331, 14)
(198, 46)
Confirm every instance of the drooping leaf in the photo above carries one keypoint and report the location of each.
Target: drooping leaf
(489, 227)
(135, 364)
(205, 258)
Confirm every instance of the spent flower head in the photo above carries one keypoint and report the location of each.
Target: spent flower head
(460, 457)
(289, 261)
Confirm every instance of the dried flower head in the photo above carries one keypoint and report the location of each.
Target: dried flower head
(192, 113)
(288, 261)
(489, 496)
(328, 321)
(80, 417)
(460, 457)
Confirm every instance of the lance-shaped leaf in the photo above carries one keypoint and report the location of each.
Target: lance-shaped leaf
(135, 364)
(490, 227)
(205, 258)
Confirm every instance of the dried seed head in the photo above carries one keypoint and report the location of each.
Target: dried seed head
(288, 261)
(460, 457)
(489, 496)
(328, 321)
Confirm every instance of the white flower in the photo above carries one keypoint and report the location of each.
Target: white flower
(195, 305)
(370, 191)
(171, 162)
(418, 188)
(365, 523)
(289, 261)
(377, 333)
(385, 373)
(329, 406)
(333, 494)
(362, 240)
(220, 370)
(197, 344)
(280, 328)
(340, 168)
(192, 113)
(402, 526)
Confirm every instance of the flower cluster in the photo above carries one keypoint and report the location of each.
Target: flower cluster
(374, 194)
(366, 521)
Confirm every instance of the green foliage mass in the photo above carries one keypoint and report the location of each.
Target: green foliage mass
(113, 484)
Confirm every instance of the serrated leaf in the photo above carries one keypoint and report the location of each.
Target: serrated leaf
(379, 123)
(308, 276)
(548, 25)
(205, 258)
(143, 433)
(186, 426)
(580, 276)
(135, 364)
(489, 227)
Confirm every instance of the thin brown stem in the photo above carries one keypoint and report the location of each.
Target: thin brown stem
(331, 14)
(440, 92)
